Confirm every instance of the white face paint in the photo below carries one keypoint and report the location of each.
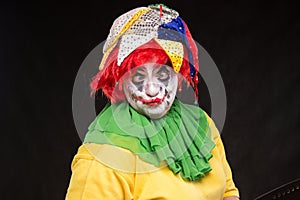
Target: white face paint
(151, 90)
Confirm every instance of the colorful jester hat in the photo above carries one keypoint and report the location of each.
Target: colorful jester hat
(157, 26)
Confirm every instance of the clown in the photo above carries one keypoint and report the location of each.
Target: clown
(146, 143)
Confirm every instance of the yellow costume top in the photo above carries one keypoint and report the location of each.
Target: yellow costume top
(95, 175)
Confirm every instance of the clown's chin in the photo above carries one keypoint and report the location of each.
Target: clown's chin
(155, 111)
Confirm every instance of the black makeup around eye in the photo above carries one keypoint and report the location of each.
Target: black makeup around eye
(163, 68)
(163, 73)
(138, 81)
(138, 78)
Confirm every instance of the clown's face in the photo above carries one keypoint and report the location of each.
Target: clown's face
(151, 89)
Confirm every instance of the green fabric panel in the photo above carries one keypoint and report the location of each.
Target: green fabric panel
(181, 138)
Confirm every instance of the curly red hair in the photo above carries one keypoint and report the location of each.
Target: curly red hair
(109, 79)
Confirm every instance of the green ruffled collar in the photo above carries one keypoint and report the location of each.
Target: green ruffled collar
(181, 138)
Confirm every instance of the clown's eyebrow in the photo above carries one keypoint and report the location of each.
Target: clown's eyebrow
(163, 68)
(141, 70)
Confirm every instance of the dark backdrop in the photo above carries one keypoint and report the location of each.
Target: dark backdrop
(254, 44)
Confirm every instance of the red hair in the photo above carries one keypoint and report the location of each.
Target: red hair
(109, 79)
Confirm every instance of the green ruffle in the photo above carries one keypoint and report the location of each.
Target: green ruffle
(181, 138)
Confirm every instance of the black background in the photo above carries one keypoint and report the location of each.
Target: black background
(255, 46)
